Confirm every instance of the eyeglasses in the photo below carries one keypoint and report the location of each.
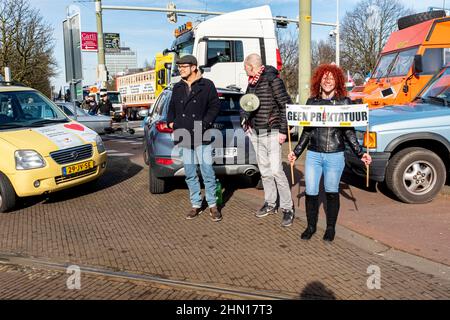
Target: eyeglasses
(184, 66)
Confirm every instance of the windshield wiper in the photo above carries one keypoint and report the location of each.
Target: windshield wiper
(47, 121)
(439, 99)
(420, 98)
(11, 125)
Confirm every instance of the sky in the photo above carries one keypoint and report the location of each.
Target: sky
(149, 32)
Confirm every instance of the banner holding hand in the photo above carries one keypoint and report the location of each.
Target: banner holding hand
(353, 115)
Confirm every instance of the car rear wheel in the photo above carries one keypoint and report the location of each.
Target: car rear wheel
(157, 185)
(145, 153)
(7, 194)
(415, 175)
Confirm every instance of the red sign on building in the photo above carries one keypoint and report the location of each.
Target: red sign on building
(89, 41)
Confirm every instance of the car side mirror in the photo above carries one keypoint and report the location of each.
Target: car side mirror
(417, 66)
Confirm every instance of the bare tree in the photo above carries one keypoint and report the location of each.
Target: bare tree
(288, 44)
(365, 31)
(26, 44)
(322, 52)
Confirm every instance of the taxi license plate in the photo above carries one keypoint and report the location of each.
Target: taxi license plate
(225, 152)
(79, 167)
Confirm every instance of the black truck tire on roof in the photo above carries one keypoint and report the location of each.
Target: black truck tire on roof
(414, 19)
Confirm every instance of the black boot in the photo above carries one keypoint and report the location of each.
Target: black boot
(312, 213)
(332, 214)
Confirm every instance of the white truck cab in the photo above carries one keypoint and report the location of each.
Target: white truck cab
(221, 44)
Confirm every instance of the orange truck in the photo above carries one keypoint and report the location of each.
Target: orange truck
(408, 61)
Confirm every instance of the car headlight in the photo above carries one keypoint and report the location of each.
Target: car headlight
(100, 146)
(28, 159)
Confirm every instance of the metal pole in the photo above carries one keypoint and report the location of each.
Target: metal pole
(101, 71)
(304, 43)
(7, 74)
(212, 13)
(338, 36)
(73, 86)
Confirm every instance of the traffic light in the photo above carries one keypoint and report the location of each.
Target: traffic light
(281, 23)
(171, 16)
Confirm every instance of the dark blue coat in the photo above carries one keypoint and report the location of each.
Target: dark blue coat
(200, 105)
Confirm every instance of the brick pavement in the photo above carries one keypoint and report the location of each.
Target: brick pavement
(120, 226)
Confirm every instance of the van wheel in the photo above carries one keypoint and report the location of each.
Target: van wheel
(7, 194)
(414, 19)
(415, 175)
(156, 184)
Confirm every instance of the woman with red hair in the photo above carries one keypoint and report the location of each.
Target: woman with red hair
(325, 155)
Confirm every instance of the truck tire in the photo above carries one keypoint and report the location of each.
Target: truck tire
(414, 19)
(156, 184)
(7, 194)
(415, 175)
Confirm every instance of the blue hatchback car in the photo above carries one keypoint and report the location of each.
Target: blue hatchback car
(410, 144)
(235, 156)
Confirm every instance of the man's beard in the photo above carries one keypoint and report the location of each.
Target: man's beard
(186, 77)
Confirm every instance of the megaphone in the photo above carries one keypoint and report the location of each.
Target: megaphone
(249, 102)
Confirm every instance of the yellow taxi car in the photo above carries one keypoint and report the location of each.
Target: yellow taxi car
(41, 149)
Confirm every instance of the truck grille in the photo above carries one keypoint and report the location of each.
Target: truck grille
(72, 154)
(74, 176)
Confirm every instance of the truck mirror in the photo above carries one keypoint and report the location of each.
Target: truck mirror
(168, 65)
(161, 77)
(417, 66)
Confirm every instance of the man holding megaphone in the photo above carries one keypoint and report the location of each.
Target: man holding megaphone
(263, 117)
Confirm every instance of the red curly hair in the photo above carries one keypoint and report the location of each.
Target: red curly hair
(338, 75)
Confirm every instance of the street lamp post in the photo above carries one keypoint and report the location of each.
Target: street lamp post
(101, 72)
(304, 42)
(338, 35)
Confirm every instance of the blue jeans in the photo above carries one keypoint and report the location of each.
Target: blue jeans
(330, 164)
(201, 155)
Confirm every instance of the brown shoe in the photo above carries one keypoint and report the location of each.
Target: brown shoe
(193, 213)
(215, 214)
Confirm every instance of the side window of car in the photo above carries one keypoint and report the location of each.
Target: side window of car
(434, 59)
(67, 111)
(165, 106)
(157, 107)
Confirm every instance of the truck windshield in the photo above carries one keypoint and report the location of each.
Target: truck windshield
(27, 109)
(439, 88)
(114, 97)
(185, 48)
(395, 64)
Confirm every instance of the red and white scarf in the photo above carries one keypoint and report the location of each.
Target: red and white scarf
(254, 80)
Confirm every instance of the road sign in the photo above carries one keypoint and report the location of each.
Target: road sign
(89, 41)
(112, 42)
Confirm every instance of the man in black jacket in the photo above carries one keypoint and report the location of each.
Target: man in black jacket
(193, 108)
(267, 128)
(105, 106)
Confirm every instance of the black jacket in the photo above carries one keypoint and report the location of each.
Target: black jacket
(200, 104)
(273, 98)
(105, 107)
(325, 139)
